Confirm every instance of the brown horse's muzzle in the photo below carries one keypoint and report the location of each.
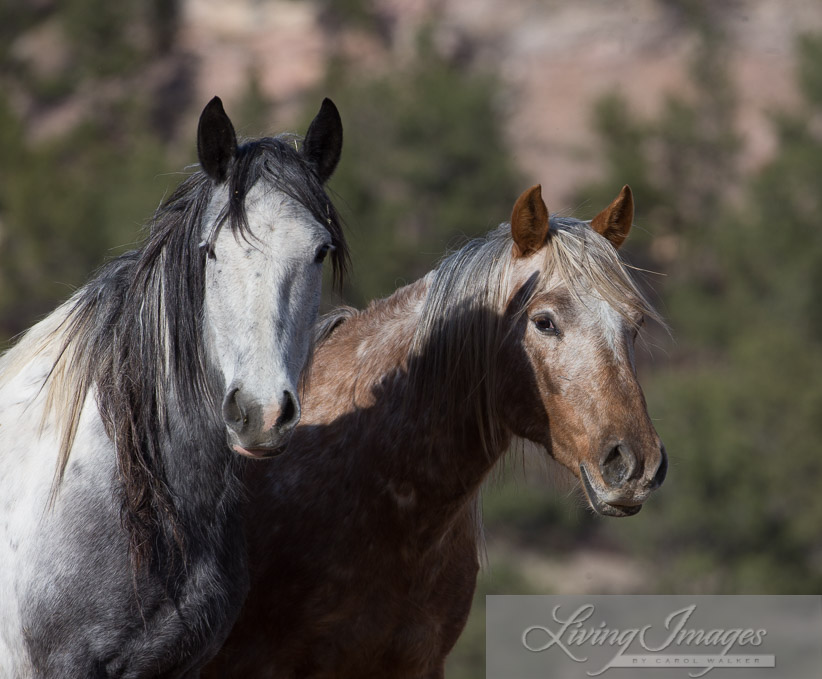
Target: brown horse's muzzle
(623, 482)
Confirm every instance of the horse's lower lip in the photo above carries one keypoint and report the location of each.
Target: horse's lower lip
(258, 453)
(599, 505)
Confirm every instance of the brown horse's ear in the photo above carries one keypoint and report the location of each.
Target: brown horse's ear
(529, 222)
(615, 221)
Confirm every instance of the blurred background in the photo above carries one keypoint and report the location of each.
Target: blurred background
(711, 111)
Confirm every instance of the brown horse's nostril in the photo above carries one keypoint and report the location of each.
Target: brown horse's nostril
(289, 412)
(661, 471)
(618, 465)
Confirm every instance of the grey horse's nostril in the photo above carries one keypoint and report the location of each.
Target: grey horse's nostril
(618, 465)
(289, 412)
(234, 414)
(661, 471)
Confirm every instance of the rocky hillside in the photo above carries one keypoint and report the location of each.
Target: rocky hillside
(554, 60)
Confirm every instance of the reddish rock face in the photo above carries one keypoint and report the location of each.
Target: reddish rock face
(554, 60)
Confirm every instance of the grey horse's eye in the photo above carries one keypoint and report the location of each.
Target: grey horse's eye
(322, 252)
(545, 324)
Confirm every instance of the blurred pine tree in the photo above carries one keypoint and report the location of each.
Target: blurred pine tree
(81, 194)
(424, 165)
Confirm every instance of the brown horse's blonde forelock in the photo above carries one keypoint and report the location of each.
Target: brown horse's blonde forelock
(585, 261)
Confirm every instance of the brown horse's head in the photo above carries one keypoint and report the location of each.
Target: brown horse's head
(576, 313)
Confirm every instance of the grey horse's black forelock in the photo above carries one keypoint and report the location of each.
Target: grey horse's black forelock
(278, 161)
(135, 333)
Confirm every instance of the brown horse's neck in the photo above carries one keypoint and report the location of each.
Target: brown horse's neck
(363, 535)
(365, 378)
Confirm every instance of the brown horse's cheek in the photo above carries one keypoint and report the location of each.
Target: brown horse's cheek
(568, 434)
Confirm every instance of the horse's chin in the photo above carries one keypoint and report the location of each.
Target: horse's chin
(259, 453)
(601, 506)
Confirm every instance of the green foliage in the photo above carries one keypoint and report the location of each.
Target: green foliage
(254, 110)
(68, 202)
(355, 13)
(82, 41)
(682, 167)
(531, 508)
(15, 19)
(810, 78)
(102, 35)
(66, 205)
(424, 164)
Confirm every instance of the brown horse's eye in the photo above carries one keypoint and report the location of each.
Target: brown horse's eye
(545, 324)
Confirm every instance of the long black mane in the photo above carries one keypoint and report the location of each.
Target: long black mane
(135, 334)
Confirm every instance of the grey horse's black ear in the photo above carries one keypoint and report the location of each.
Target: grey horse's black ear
(216, 141)
(322, 145)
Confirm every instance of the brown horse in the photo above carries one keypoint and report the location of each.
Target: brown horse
(364, 536)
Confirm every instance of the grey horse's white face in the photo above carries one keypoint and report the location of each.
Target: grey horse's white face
(262, 283)
(262, 294)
